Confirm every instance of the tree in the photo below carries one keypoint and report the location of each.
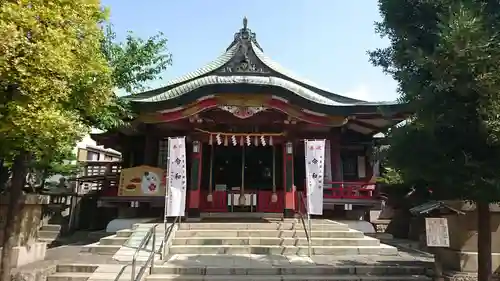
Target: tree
(58, 65)
(52, 75)
(136, 61)
(60, 163)
(134, 64)
(445, 55)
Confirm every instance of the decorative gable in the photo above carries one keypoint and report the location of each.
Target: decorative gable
(244, 60)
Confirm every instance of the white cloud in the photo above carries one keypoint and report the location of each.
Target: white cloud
(361, 93)
(373, 94)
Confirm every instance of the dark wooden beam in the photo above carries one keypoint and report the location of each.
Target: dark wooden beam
(365, 125)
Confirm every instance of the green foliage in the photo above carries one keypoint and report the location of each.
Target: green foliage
(445, 56)
(58, 70)
(390, 176)
(135, 61)
(60, 162)
(52, 73)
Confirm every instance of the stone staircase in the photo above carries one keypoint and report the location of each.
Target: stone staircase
(124, 243)
(278, 251)
(92, 272)
(277, 238)
(109, 245)
(49, 233)
(311, 272)
(274, 250)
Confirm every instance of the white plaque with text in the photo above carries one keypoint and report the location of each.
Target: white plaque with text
(437, 232)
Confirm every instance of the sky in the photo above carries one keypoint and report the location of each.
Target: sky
(325, 41)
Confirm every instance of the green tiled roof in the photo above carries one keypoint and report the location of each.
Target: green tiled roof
(242, 79)
(244, 62)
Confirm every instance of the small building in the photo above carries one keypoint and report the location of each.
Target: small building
(245, 119)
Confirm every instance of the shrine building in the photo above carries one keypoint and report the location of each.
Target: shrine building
(245, 119)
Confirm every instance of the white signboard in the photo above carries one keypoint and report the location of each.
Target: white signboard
(437, 232)
(315, 161)
(328, 162)
(177, 181)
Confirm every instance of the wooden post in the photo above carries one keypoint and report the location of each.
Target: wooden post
(288, 180)
(194, 188)
(241, 199)
(211, 177)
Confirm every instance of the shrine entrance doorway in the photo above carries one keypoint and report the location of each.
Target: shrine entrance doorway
(242, 178)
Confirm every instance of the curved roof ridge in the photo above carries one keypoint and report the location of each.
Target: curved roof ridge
(204, 70)
(242, 79)
(207, 68)
(284, 71)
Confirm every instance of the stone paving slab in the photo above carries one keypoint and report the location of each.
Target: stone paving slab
(38, 271)
(278, 260)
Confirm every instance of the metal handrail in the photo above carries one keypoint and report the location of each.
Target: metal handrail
(307, 229)
(121, 272)
(144, 242)
(168, 232)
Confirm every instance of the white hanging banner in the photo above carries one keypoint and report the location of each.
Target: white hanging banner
(177, 183)
(315, 161)
(328, 164)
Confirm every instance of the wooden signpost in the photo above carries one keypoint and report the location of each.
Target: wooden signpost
(438, 235)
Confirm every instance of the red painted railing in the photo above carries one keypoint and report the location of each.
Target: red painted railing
(348, 190)
(344, 190)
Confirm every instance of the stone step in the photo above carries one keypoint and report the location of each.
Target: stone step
(82, 268)
(48, 234)
(143, 233)
(158, 277)
(260, 226)
(268, 233)
(86, 276)
(93, 272)
(375, 270)
(136, 243)
(124, 233)
(100, 249)
(113, 240)
(283, 250)
(48, 241)
(149, 225)
(70, 276)
(51, 227)
(139, 239)
(275, 241)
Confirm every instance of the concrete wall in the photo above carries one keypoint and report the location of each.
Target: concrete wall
(26, 249)
(462, 253)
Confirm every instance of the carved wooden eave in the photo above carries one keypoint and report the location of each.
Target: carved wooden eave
(244, 68)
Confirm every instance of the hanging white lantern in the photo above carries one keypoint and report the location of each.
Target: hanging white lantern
(256, 141)
(263, 140)
(225, 141)
(249, 142)
(271, 140)
(210, 139)
(233, 139)
(219, 140)
(242, 141)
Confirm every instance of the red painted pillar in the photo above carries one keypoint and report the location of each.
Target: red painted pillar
(290, 190)
(195, 180)
(335, 155)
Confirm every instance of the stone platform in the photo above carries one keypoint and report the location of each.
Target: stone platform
(404, 266)
(270, 250)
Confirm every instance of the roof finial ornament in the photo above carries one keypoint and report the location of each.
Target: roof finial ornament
(245, 23)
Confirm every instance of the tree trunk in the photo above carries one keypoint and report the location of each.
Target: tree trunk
(19, 170)
(483, 241)
(4, 175)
